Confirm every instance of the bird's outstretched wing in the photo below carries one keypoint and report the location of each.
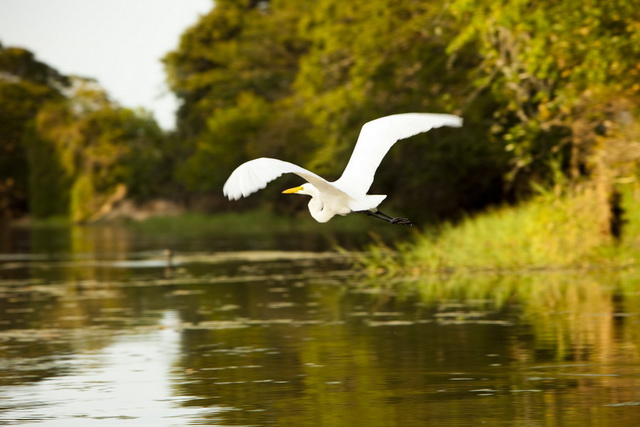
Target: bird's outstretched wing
(255, 174)
(375, 140)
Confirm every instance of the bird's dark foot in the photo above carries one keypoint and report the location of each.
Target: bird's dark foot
(388, 218)
(401, 221)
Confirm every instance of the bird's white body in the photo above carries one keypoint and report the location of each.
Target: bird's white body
(324, 205)
(348, 193)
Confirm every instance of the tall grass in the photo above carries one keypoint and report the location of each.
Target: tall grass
(569, 231)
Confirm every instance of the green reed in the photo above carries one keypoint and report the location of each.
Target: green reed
(568, 231)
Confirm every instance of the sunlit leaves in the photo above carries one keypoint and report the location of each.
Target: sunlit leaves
(84, 148)
(532, 79)
(546, 61)
(234, 70)
(238, 47)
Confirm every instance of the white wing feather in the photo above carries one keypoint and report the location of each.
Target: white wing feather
(255, 174)
(375, 140)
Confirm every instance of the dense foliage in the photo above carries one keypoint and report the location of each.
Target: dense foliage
(565, 74)
(549, 91)
(25, 84)
(88, 151)
(66, 149)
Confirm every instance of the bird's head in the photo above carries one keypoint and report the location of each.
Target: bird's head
(306, 188)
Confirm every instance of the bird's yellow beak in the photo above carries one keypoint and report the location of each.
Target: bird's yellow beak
(292, 190)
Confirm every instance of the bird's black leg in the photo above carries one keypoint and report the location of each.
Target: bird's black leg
(388, 218)
(369, 213)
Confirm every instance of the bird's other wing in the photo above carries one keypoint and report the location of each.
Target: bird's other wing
(375, 140)
(255, 174)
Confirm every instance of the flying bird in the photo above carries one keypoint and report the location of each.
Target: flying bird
(349, 192)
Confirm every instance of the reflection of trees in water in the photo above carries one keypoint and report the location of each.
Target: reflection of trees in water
(58, 299)
(572, 316)
(536, 344)
(302, 342)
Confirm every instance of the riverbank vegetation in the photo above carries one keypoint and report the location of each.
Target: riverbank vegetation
(549, 92)
(550, 232)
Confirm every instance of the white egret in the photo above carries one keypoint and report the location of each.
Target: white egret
(348, 193)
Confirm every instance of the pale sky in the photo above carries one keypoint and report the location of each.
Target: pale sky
(118, 42)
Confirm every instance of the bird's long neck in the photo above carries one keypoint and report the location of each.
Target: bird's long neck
(319, 211)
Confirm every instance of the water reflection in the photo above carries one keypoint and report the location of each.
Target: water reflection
(104, 332)
(102, 384)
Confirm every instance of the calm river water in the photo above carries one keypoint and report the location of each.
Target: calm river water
(98, 329)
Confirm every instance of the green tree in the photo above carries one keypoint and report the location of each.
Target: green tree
(88, 149)
(66, 148)
(297, 80)
(233, 72)
(239, 47)
(372, 58)
(565, 74)
(547, 89)
(25, 85)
